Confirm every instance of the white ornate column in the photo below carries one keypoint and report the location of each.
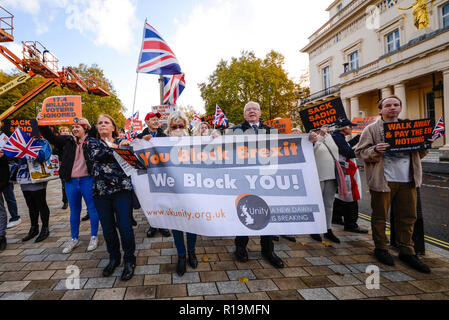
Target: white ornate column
(446, 108)
(347, 106)
(355, 107)
(399, 91)
(386, 92)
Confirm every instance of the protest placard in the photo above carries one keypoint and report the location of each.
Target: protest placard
(231, 185)
(61, 110)
(128, 155)
(284, 126)
(209, 118)
(165, 111)
(362, 123)
(327, 113)
(136, 124)
(409, 135)
(29, 126)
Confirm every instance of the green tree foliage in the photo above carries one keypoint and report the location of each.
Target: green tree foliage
(248, 78)
(93, 105)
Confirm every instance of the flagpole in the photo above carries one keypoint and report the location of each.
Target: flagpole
(161, 89)
(134, 103)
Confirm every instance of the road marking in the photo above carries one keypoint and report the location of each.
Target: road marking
(427, 238)
(435, 186)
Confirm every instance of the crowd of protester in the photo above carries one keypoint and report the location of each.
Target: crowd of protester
(89, 171)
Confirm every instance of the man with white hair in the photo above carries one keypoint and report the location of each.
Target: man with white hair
(253, 124)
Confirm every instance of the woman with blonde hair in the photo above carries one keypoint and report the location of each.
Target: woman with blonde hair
(76, 177)
(177, 125)
(112, 194)
(204, 129)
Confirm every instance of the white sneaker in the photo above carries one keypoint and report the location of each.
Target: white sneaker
(12, 224)
(72, 244)
(93, 244)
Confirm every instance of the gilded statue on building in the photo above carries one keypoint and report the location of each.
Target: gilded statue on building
(420, 13)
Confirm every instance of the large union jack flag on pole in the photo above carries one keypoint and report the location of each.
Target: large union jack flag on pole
(439, 129)
(220, 118)
(156, 57)
(21, 145)
(173, 87)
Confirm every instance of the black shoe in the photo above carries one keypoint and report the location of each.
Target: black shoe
(241, 254)
(86, 217)
(356, 230)
(165, 232)
(273, 259)
(275, 238)
(133, 222)
(34, 231)
(111, 267)
(193, 262)
(289, 238)
(65, 206)
(331, 236)
(43, 235)
(151, 232)
(414, 262)
(181, 267)
(2, 243)
(316, 237)
(384, 257)
(128, 271)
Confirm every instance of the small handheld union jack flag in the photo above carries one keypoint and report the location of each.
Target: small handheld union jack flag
(220, 118)
(438, 132)
(196, 119)
(21, 145)
(173, 87)
(135, 116)
(130, 135)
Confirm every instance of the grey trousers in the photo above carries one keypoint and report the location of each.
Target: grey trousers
(3, 217)
(328, 190)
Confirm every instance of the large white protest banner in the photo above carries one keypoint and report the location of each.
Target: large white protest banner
(230, 186)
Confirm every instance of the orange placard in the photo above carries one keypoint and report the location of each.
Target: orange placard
(362, 123)
(284, 126)
(61, 110)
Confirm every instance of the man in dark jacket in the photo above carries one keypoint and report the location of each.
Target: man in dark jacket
(153, 130)
(348, 207)
(255, 125)
(4, 182)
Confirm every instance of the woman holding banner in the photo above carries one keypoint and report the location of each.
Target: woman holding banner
(77, 181)
(177, 127)
(326, 155)
(112, 194)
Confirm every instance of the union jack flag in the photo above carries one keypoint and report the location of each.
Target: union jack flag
(439, 129)
(220, 118)
(156, 57)
(130, 135)
(135, 116)
(173, 87)
(196, 118)
(21, 145)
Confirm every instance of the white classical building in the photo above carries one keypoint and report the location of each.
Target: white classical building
(369, 49)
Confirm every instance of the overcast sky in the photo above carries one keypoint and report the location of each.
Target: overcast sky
(200, 32)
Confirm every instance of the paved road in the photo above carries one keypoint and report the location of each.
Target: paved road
(435, 205)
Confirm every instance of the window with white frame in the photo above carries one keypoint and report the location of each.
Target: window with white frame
(393, 41)
(353, 59)
(326, 78)
(339, 7)
(445, 15)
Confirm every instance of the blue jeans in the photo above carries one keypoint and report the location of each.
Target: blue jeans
(10, 199)
(112, 208)
(75, 189)
(178, 237)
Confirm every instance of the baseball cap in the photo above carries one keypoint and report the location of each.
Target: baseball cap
(152, 114)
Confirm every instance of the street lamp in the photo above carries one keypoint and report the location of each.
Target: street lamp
(269, 100)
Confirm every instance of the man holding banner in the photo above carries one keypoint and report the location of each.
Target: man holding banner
(253, 124)
(392, 179)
